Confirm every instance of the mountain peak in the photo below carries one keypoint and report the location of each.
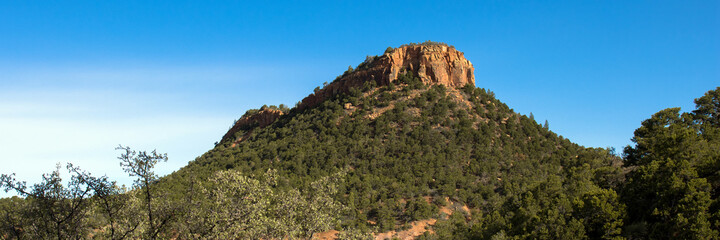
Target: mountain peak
(433, 63)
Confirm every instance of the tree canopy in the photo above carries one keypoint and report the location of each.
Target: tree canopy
(377, 159)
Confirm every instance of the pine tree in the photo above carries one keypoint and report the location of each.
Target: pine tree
(673, 159)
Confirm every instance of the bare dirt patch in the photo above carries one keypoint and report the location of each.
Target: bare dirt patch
(417, 228)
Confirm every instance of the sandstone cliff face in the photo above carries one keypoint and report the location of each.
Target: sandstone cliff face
(433, 64)
(259, 119)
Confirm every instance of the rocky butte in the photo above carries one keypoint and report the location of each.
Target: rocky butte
(433, 63)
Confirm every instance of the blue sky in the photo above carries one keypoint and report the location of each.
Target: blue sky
(77, 78)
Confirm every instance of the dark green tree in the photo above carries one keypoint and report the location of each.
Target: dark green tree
(670, 191)
(708, 108)
(602, 214)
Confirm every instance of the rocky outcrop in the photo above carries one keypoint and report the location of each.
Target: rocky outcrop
(260, 119)
(432, 63)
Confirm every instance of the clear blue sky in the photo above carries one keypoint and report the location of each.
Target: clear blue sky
(79, 77)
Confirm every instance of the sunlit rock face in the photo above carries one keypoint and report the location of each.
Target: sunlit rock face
(433, 64)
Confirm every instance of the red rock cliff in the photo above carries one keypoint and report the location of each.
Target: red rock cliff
(433, 64)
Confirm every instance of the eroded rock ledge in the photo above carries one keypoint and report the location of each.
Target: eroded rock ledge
(433, 64)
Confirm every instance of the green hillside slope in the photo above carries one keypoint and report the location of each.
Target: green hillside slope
(407, 141)
(409, 154)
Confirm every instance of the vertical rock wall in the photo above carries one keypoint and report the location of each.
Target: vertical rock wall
(433, 64)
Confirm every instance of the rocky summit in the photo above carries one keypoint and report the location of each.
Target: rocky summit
(432, 63)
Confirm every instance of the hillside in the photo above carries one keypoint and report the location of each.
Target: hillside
(402, 146)
(419, 128)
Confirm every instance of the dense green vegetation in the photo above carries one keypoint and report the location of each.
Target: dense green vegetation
(519, 178)
(672, 190)
(378, 158)
(229, 205)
